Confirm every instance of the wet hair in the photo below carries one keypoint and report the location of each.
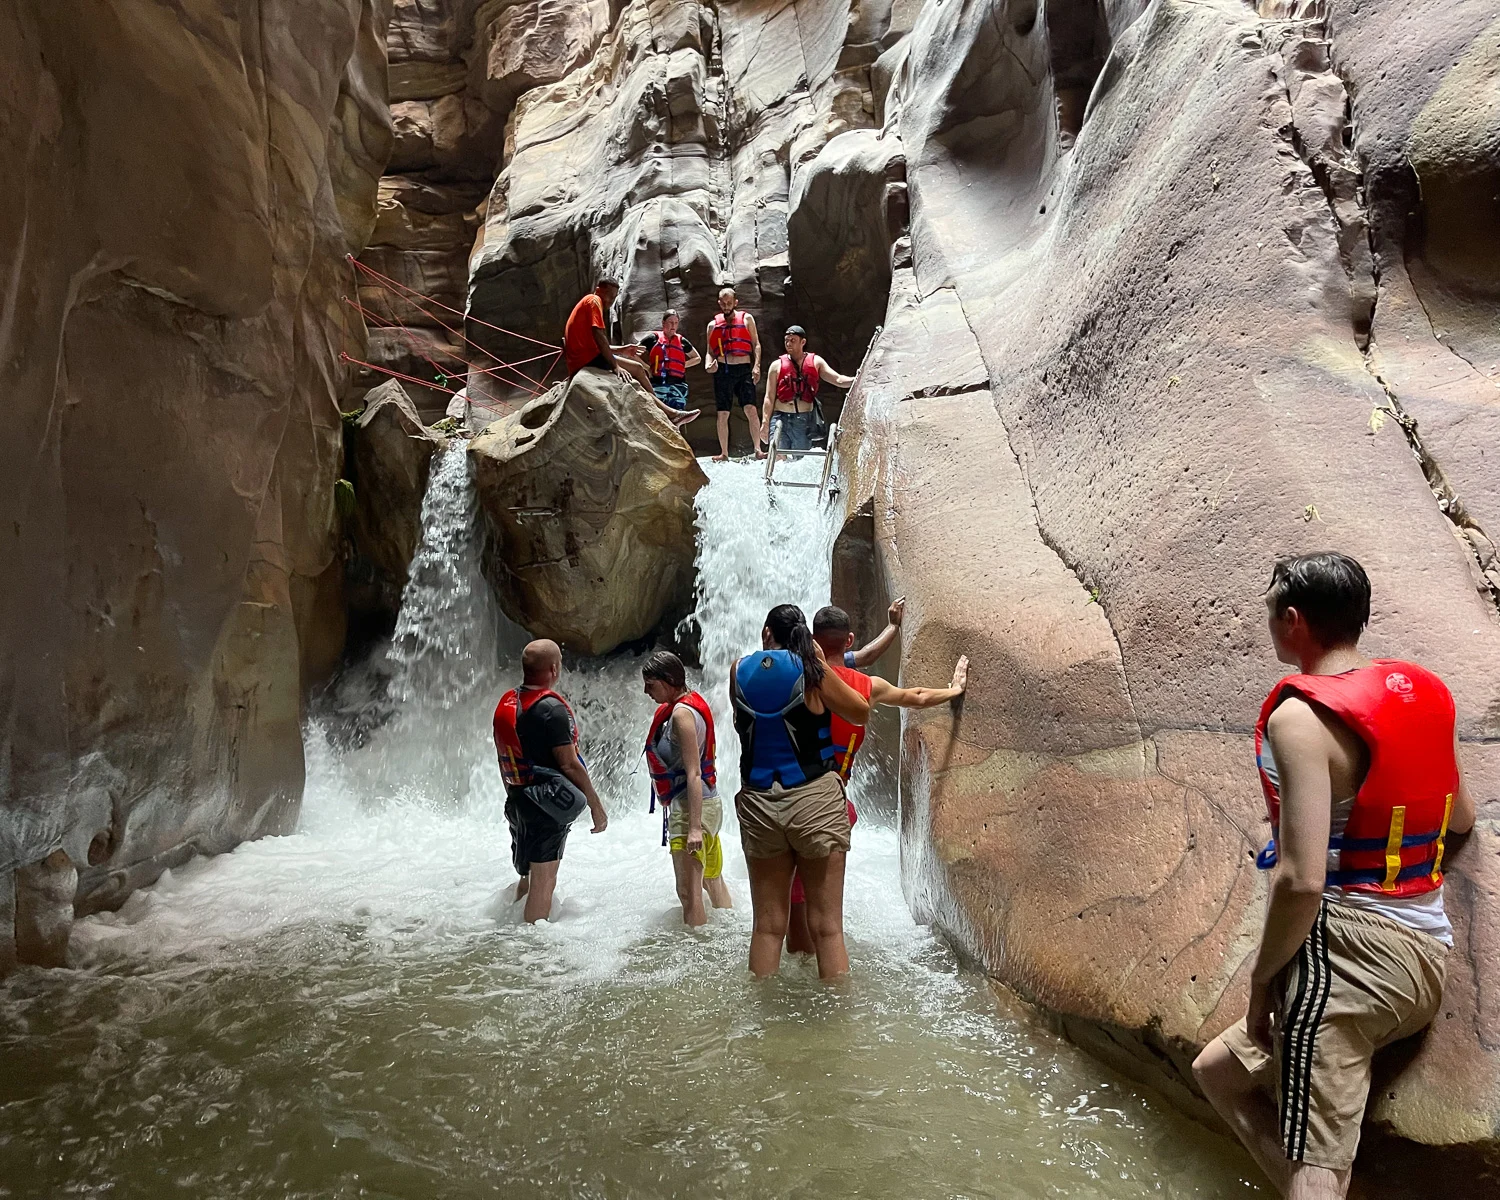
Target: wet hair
(665, 667)
(726, 290)
(607, 281)
(831, 619)
(1330, 590)
(789, 630)
(671, 312)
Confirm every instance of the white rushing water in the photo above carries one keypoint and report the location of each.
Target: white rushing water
(357, 1009)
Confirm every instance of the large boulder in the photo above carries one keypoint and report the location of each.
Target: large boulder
(589, 491)
(391, 458)
(1144, 348)
(189, 178)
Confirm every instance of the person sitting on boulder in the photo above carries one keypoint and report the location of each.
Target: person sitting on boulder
(681, 751)
(547, 785)
(832, 631)
(1358, 760)
(792, 393)
(585, 344)
(734, 362)
(668, 356)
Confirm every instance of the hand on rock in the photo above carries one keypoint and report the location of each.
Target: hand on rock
(624, 373)
(897, 611)
(961, 673)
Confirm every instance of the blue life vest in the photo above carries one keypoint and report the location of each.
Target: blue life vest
(781, 740)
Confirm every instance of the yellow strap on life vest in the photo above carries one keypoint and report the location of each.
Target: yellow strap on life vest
(1393, 848)
(1437, 862)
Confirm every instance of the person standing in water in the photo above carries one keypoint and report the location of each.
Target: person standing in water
(1358, 760)
(792, 393)
(546, 783)
(791, 805)
(833, 633)
(734, 362)
(680, 749)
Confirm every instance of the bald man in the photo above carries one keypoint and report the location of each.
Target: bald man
(547, 785)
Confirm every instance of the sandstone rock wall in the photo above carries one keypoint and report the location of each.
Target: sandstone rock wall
(187, 178)
(1220, 312)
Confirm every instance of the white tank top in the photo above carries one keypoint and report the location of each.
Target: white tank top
(1424, 913)
(666, 743)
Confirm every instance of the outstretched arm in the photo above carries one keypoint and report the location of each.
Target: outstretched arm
(829, 375)
(871, 651)
(885, 692)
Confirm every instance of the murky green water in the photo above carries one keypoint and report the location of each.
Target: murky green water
(357, 1011)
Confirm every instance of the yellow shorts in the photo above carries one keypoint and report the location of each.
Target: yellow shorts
(711, 856)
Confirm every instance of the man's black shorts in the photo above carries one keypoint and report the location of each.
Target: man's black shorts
(733, 380)
(534, 836)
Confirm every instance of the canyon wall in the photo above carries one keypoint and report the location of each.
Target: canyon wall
(1240, 301)
(188, 177)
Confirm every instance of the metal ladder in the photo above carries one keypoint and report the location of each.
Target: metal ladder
(830, 446)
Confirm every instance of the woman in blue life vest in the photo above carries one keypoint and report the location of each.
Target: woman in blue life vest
(790, 805)
(680, 750)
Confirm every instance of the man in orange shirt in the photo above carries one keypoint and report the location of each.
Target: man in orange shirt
(585, 344)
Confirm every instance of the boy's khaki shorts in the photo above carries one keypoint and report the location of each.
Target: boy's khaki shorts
(1359, 982)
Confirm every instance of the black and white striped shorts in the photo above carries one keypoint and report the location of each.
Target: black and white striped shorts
(1359, 982)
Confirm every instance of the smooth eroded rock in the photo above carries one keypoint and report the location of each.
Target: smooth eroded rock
(392, 455)
(588, 491)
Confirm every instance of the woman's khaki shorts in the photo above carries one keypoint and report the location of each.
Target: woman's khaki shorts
(1359, 982)
(810, 820)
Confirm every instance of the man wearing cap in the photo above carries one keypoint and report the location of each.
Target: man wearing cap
(792, 392)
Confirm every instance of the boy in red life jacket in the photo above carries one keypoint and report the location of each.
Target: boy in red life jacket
(734, 362)
(1359, 764)
(546, 782)
(586, 344)
(792, 392)
(668, 356)
(833, 633)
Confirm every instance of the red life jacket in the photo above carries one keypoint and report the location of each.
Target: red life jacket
(730, 335)
(668, 359)
(1392, 844)
(668, 782)
(515, 767)
(796, 386)
(847, 738)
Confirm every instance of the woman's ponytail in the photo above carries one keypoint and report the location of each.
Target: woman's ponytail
(789, 630)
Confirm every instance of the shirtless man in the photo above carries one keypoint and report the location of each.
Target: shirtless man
(792, 392)
(1351, 955)
(734, 362)
(585, 344)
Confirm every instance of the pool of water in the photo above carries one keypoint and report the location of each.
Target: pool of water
(357, 1009)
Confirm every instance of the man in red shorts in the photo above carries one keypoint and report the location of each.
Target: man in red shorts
(832, 632)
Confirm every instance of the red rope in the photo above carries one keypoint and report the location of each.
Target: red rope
(446, 308)
(345, 357)
(380, 322)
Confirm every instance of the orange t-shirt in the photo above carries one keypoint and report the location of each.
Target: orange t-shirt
(579, 347)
